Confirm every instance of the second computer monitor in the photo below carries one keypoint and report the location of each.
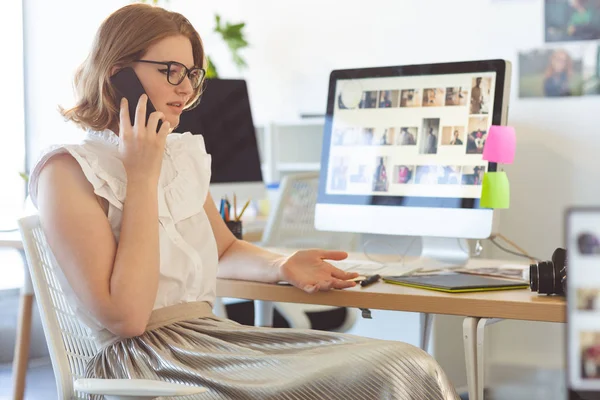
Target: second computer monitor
(224, 118)
(402, 149)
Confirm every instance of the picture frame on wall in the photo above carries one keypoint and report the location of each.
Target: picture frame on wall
(571, 20)
(567, 70)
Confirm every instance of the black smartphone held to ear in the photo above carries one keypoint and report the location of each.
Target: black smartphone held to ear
(128, 85)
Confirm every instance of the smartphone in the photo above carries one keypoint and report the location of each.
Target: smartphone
(128, 85)
(582, 237)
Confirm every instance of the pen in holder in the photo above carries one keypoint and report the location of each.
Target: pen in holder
(235, 227)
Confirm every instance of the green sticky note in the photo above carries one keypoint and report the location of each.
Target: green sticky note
(495, 190)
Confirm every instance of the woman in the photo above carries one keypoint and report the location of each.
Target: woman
(558, 74)
(129, 219)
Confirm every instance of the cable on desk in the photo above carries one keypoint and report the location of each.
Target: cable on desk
(523, 254)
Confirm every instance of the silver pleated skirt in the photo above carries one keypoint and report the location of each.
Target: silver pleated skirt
(235, 361)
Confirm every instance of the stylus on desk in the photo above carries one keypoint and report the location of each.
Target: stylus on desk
(370, 280)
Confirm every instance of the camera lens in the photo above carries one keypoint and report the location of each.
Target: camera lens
(533, 277)
(546, 278)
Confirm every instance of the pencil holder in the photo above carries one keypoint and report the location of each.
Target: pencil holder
(236, 228)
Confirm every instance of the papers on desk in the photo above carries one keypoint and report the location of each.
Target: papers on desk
(507, 271)
(372, 268)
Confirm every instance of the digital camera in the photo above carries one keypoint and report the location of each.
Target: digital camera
(550, 277)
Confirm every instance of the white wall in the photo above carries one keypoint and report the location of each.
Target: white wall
(295, 44)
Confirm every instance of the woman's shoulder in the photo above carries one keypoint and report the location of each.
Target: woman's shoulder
(96, 156)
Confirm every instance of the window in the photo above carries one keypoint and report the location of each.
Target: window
(12, 104)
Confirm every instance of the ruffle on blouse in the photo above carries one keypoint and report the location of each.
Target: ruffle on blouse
(182, 192)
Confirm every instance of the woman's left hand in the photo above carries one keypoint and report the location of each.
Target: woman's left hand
(308, 270)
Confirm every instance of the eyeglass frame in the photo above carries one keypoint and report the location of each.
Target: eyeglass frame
(187, 71)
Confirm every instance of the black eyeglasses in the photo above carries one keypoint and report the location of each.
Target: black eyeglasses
(176, 72)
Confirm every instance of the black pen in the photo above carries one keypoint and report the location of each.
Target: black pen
(370, 280)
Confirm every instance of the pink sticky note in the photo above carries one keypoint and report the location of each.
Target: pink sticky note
(500, 144)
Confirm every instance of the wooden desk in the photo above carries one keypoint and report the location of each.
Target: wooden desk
(510, 304)
(480, 308)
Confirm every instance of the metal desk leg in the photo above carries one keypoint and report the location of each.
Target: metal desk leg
(21, 355)
(263, 313)
(470, 342)
(483, 322)
(426, 323)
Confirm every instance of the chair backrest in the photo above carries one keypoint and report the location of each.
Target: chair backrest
(292, 219)
(70, 343)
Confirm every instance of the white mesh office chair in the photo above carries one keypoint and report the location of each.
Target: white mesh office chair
(69, 341)
(291, 224)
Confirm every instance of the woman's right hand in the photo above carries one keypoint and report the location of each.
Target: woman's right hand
(141, 149)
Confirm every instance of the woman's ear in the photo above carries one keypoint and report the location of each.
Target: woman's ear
(115, 69)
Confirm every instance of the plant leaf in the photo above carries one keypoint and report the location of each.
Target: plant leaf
(211, 70)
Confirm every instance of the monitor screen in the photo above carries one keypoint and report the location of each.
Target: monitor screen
(410, 136)
(224, 118)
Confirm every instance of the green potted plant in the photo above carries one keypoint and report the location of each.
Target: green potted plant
(232, 35)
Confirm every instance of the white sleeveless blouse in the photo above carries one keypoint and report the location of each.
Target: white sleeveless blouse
(188, 250)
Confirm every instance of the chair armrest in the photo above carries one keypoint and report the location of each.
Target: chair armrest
(130, 388)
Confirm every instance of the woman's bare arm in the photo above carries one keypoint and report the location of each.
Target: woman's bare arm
(239, 259)
(117, 282)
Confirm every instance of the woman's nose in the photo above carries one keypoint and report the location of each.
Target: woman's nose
(185, 87)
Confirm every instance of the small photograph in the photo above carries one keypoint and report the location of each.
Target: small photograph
(449, 175)
(367, 136)
(368, 100)
(428, 139)
(358, 173)
(388, 98)
(590, 354)
(457, 96)
(403, 174)
(343, 136)
(410, 98)
(588, 244)
(433, 97)
(407, 136)
(472, 174)
(453, 135)
(552, 73)
(477, 133)
(568, 20)
(386, 137)
(481, 95)
(380, 179)
(339, 174)
(588, 299)
(341, 104)
(427, 174)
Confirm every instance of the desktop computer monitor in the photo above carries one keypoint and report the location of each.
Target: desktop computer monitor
(224, 118)
(402, 152)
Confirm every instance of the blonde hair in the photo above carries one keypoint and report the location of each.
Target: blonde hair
(123, 37)
(550, 70)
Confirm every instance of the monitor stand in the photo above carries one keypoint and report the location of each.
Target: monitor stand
(436, 253)
(440, 253)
